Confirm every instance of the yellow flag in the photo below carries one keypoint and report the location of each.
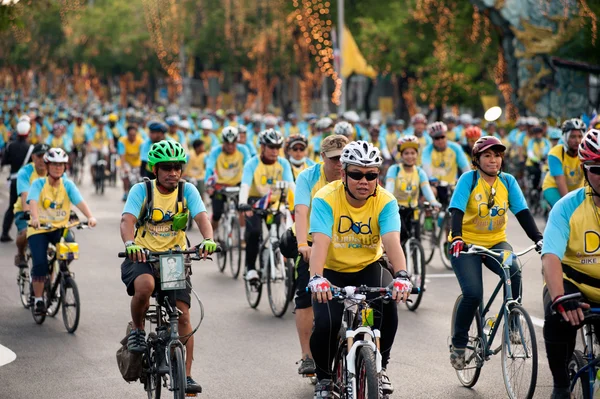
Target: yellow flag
(353, 60)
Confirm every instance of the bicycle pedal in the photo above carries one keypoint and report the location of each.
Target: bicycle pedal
(311, 375)
(191, 395)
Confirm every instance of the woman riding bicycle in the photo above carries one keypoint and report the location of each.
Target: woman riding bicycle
(50, 200)
(406, 181)
(479, 216)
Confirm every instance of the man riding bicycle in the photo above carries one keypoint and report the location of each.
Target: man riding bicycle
(570, 260)
(129, 148)
(49, 201)
(565, 173)
(159, 229)
(350, 219)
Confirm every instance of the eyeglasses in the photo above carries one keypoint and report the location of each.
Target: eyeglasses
(491, 201)
(593, 169)
(439, 137)
(358, 176)
(298, 149)
(168, 167)
(335, 159)
(273, 147)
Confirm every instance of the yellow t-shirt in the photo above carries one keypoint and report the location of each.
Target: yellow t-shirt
(99, 140)
(115, 131)
(444, 165)
(559, 159)
(265, 177)
(229, 168)
(407, 184)
(307, 185)
(157, 235)
(355, 232)
(57, 142)
(195, 167)
(18, 207)
(132, 150)
(78, 135)
(53, 204)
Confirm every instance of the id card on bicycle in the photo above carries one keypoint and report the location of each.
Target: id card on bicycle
(172, 272)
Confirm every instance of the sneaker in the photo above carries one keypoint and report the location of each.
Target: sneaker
(40, 308)
(307, 366)
(252, 275)
(457, 358)
(561, 393)
(20, 261)
(136, 342)
(324, 389)
(5, 238)
(386, 384)
(192, 386)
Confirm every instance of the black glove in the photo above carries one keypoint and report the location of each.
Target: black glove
(538, 246)
(244, 207)
(564, 303)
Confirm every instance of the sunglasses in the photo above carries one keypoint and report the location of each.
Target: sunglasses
(439, 137)
(335, 159)
(593, 169)
(168, 167)
(273, 147)
(358, 176)
(298, 149)
(491, 201)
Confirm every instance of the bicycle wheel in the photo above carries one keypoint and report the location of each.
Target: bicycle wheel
(278, 284)
(581, 390)
(474, 350)
(222, 240)
(71, 308)
(39, 319)
(178, 372)
(234, 243)
(367, 384)
(519, 355)
(55, 297)
(442, 243)
(416, 270)
(254, 288)
(24, 287)
(428, 238)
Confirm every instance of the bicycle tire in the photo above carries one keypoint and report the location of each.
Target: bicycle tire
(429, 237)
(291, 276)
(368, 383)
(512, 389)
(254, 290)
(55, 299)
(418, 272)
(222, 240)
(340, 370)
(178, 383)
(470, 374)
(441, 241)
(581, 390)
(70, 319)
(24, 287)
(40, 318)
(235, 247)
(277, 275)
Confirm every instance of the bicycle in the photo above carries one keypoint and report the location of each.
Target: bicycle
(357, 363)
(434, 227)
(164, 358)
(275, 271)
(479, 348)
(59, 275)
(77, 166)
(415, 255)
(113, 169)
(229, 234)
(100, 175)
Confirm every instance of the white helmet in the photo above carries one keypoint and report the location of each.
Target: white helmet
(184, 124)
(229, 134)
(466, 118)
(344, 128)
(24, 118)
(324, 123)
(568, 126)
(23, 128)
(351, 116)
(270, 137)
(206, 124)
(361, 153)
(270, 121)
(56, 155)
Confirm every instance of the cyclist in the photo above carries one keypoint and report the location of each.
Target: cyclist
(58, 138)
(156, 134)
(308, 183)
(295, 149)
(563, 163)
(114, 128)
(210, 139)
(259, 179)
(27, 175)
(99, 144)
(350, 219)
(538, 148)
(479, 215)
(243, 139)
(158, 229)
(406, 181)
(391, 136)
(195, 168)
(129, 149)
(472, 134)
(226, 162)
(49, 201)
(443, 160)
(419, 125)
(77, 132)
(570, 263)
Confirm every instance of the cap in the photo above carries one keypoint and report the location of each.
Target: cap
(40, 148)
(23, 128)
(333, 145)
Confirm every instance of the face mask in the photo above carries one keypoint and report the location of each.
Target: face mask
(297, 162)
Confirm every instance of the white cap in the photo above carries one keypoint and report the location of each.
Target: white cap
(206, 124)
(351, 116)
(23, 128)
(24, 118)
(184, 124)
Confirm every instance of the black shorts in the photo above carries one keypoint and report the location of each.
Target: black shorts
(303, 299)
(131, 270)
(218, 205)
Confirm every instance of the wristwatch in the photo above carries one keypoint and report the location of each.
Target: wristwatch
(402, 274)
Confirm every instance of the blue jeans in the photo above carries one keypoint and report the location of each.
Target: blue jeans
(38, 245)
(468, 271)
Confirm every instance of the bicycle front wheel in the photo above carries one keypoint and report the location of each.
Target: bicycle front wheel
(367, 383)
(178, 372)
(443, 244)
(234, 245)
(474, 350)
(54, 297)
(278, 284)
(581, 389)
(71, 309)
(416, 269)
(428, 238)
(519, 355)
(222, 239)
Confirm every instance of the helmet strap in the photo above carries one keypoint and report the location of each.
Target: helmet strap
(374, 194)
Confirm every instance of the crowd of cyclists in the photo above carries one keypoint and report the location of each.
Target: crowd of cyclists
(353, 185)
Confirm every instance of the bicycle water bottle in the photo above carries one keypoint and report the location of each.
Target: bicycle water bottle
(597, 386)
(441, 217)
(489, 324)
(428, 222)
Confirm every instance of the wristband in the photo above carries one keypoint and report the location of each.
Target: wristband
(402, 274)
(302, 244)
(129, 243)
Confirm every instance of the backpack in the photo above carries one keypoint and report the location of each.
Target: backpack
(130, 364)
(501, 176)
(146, 212)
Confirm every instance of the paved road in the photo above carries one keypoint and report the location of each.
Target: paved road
(240, 352)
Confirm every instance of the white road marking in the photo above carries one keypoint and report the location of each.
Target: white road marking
(537, 321)
(6, 356)
(440, 275)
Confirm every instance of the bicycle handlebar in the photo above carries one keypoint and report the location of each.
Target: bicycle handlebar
(477, 249)
(171, 252)
(78, 225)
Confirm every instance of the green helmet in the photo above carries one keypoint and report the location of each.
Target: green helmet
(166, 151)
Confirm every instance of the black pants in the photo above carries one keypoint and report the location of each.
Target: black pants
(9, 216)
(535, 174)
(559, 337)
(253, 235)
(328, 316)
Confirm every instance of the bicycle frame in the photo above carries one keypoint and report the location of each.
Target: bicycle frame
(592, 361)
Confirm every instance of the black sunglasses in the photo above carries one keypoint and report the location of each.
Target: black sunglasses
(491, 201)
(439, 137)
(297, 149)
(168, 167)
(358, 176)
(334, 159)
(593, 169)
(273, 147)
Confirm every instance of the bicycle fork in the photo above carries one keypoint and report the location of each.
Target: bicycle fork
(373, 342)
